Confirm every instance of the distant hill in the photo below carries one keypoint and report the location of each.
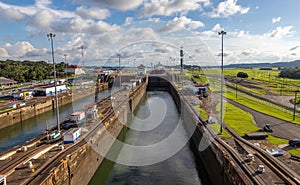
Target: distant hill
(291, 64)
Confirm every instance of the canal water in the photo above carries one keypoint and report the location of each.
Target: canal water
(26, 130)
(179, 168)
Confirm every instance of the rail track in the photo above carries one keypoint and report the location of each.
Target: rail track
(107, 110)
(277, 167)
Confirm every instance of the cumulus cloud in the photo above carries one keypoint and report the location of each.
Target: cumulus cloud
(18, 49)
(123, 5)
(276, 19)
(179, 23)
(92, 13)
(167, 8)
(281, 32)
(228, 8)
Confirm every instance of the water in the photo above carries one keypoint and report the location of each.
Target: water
(26, 130)
(177, 169)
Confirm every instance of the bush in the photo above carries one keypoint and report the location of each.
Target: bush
(242, 75)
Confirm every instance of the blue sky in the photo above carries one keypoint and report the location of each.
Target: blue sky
(145, 31)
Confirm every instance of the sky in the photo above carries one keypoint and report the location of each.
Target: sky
(150, 31)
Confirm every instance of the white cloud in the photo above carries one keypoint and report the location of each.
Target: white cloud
(217, 27)
(181, 23)
(128, 20)
(122, 5)
(92, 13)
(16, 50)
(228, 8)
(281, 32)
(276, 19)
(167, 7)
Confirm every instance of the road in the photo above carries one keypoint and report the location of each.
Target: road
(281, 128)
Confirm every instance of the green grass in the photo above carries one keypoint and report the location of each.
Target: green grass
(5, 110)
(216, 128)
(267, 80)
(240, 121)
(277, 141)
(267, 109)
(201, 111)
(295, 151)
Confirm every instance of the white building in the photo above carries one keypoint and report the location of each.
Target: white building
(74, 69)
(142, 70)
(49, 90)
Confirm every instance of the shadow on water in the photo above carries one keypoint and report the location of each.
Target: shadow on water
(181, 168)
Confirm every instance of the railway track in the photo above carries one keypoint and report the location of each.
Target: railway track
(278, 168)
(11, 164)
(108, 112)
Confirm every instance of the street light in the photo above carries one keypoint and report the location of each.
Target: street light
(50, 36)
(119, 55)
(295, 101)
(65, 55)
(222, 83)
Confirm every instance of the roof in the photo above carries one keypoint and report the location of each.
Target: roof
(141, 66)
(6, 80)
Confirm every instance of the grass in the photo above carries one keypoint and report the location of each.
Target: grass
(295, 151)
(214, 126)
(240, 121)
(270, 109)
(265, 79)
(201, 111)
(277, 141)
(5, 110)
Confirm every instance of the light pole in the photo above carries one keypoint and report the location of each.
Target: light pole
(222, 33)
(181, 65)
(50, 36)
(295, 102)
(65, 55)
(119, 55)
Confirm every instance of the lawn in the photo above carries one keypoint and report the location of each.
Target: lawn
(265, 79)
(240, 121)
(267, 108)
(277, 141)
(214, 126)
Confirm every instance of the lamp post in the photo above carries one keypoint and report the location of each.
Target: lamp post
(295, 101)
(119, 55)
(181, 66)
(51, 36)
(65, 55)
(222, 33)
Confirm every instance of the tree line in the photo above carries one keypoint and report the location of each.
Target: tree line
(26, 71)
(293, 73)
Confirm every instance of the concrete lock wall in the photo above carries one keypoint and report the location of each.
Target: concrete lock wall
(80, 166)
(22, 113)
(220, 168)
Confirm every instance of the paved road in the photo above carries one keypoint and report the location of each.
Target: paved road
(281, 128)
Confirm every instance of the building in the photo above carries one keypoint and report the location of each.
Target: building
(5, 82)
(74, 69)
(44, 90)
(142, 70)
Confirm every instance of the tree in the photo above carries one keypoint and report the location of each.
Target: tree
(242, 75)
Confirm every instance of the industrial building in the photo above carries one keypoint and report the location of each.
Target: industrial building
(45, 90)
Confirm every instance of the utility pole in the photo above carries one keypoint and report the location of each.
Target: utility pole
(51, 36)
(222, 33)
(119, 55)
(65, 55)
(181, 66)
